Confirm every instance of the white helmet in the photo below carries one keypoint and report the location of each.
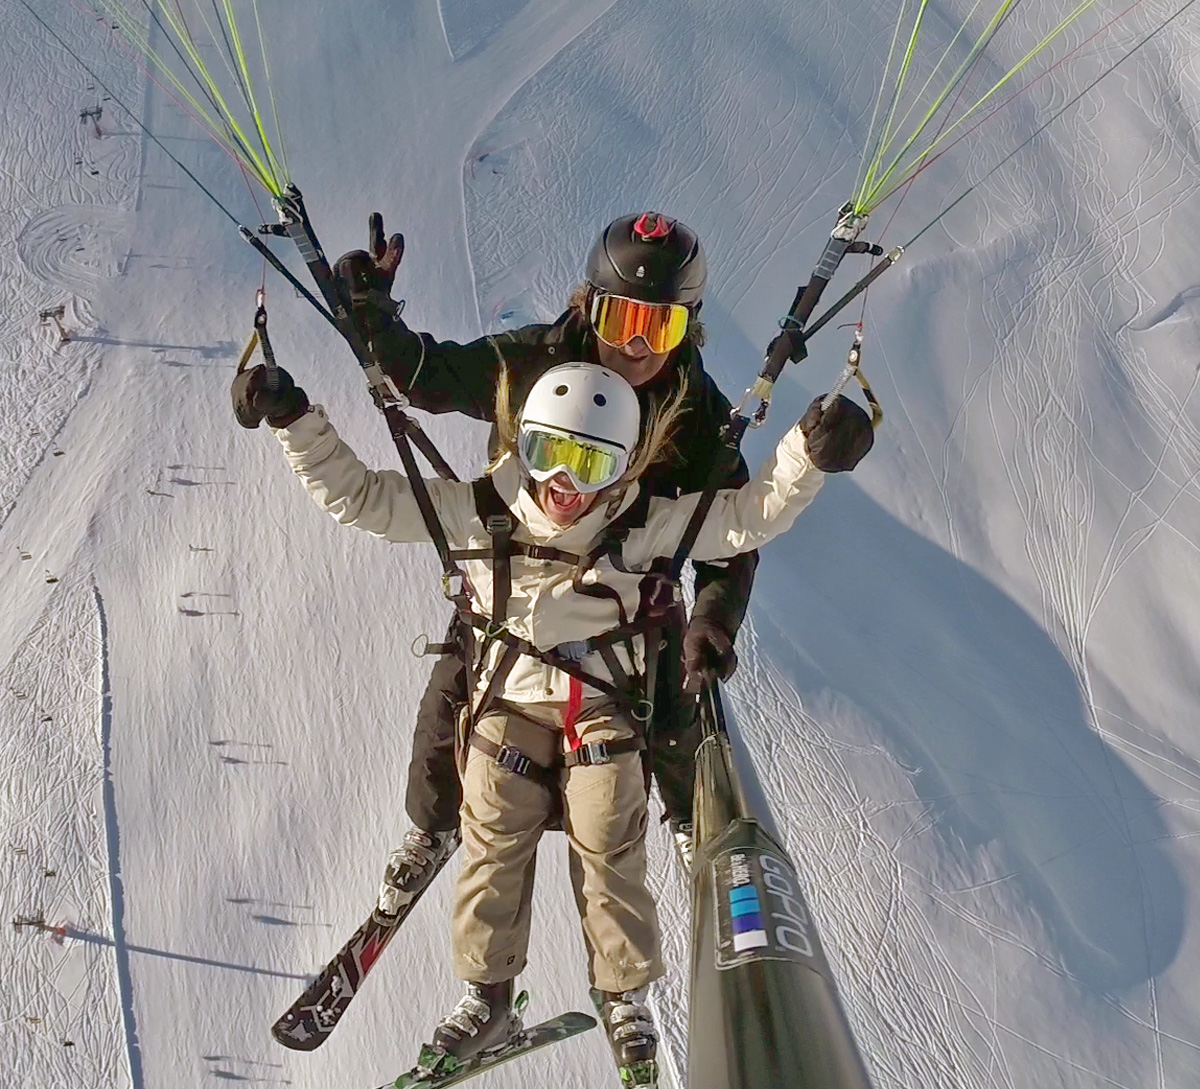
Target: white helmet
(581, 419)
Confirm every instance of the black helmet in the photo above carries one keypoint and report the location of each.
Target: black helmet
(648, 257)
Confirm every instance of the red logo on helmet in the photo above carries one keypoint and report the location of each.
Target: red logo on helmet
(652, 227)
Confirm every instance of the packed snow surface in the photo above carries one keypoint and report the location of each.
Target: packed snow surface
(968, 677)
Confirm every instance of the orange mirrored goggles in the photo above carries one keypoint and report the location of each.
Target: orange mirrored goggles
(617, 320)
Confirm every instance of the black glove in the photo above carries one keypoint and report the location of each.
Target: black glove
(708, 654)
(253, 401)
(366, 278)
(838, 438)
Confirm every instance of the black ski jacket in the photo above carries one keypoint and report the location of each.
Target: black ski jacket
(446, 376)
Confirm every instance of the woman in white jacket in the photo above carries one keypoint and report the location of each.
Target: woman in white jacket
(555, 713)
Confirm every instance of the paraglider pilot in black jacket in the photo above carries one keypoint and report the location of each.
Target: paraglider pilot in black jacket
(447, 376)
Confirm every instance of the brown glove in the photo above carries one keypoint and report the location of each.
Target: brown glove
(281, 403)
(838, 438)
(708, 654)
(366, 277)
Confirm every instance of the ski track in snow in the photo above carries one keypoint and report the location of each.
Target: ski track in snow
(61, 1003)
(77, 247)
(66, 194)
(133, 1052)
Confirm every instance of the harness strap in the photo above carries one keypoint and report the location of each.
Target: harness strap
(576, 650)
(503, 667)
(497, 519)
(660, 604)
(518, 548)
(609, 657)
(399, 425)
(625, 695)
(513, 759)
(599, 590)
(590, 755)
(601, 752)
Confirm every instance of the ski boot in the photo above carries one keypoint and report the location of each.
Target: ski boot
(631, 1035)
(485, 1020)
(411, 867)
(682, 832)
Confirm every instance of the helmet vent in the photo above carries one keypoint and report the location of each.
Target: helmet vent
(600, 400)
(652, 227)
(649, 258)
(561, 391)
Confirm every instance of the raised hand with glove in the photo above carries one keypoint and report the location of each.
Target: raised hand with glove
(839, 437)
(366, 276)
(256, 397)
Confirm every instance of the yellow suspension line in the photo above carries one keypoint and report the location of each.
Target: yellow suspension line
(878, 195)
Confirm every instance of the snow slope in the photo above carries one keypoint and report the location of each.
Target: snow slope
(968, 676)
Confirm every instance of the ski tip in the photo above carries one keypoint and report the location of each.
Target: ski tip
(581, 1022)
(294, 1037)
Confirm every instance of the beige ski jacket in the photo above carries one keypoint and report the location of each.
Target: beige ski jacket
(543, 607)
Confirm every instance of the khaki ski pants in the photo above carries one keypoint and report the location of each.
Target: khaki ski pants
(604, 816)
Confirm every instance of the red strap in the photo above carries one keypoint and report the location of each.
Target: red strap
(574, 703)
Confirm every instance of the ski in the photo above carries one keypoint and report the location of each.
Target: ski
(640, 1075)
(307, 1023)
(437, 1070)
(315, 1014)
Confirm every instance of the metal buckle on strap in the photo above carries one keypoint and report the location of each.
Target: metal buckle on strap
(463, 586)
(596, 752)
(513, 760)
(499, 523)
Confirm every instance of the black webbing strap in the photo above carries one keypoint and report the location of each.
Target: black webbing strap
(398, 425)
(609, 657)
(495, 682)
(659, 604)
(601, 591)
(788, 345)
(718, 475)
(629, 697)
(518, 548)
(497, 519)
(592, 754)
(428, 451)
(513, 760)
(602, 752)
(580, 648)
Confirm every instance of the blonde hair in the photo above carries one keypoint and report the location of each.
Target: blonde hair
(656, 442)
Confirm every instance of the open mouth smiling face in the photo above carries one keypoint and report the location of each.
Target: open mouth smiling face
(560, 500)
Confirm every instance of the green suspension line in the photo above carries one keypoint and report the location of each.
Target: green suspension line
(880, 181)
(217, 116)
